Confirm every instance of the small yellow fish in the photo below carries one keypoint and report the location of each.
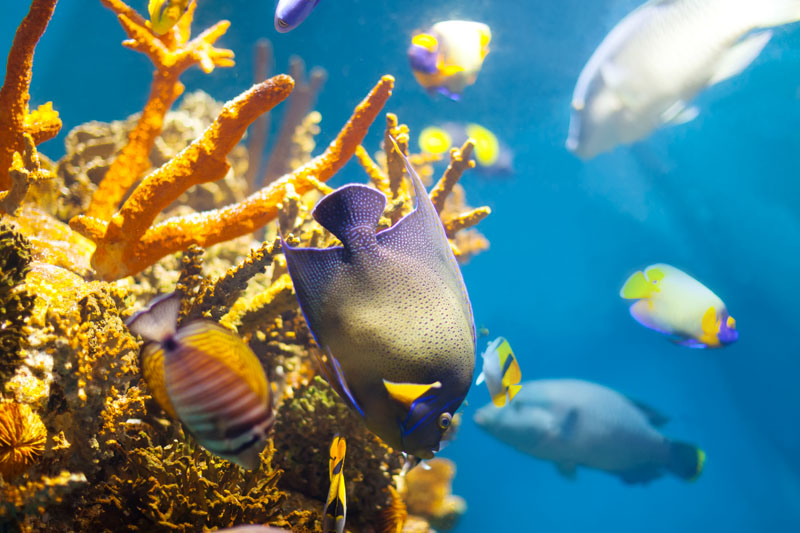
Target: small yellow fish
(164, 14)
(500, 371)
(493, 157)
(335, 510)
(672, 302)
(208, 378)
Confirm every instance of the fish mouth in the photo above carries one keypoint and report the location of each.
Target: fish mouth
(281, 25)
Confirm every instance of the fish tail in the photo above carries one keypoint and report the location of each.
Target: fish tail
(159, 320)
(513, 390)
(776, 13)
(351, 213)
(686, 460)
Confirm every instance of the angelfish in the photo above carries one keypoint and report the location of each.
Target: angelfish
(208, 378)
(500, 371)
(674, 303)
(654, 62)
(164, 14)
(391, 313)
(290, 13)
(335, 512)
(578, 423)
(448, 57)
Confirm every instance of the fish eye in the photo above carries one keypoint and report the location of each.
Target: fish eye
(282, 23)
(444, 420)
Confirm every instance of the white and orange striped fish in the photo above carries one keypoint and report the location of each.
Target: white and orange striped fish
(208, 378)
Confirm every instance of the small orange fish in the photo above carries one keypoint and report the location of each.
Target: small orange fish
(208, 378)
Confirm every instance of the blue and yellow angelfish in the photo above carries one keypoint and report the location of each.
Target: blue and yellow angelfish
(493, 157)
(335, 512)
(390, 312)
(447, 58)
(500, 371)
(164, 14)
(674, 303)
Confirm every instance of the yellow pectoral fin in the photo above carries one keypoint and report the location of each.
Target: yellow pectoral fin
(709, 322)
(513, 390)
(638, 286)
(407, 393)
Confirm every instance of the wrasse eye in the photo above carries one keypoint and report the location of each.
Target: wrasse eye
(282, 23)
(445, 420)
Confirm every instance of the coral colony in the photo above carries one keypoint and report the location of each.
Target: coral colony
(164, 202)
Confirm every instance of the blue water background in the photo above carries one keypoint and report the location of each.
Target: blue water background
(717, 197)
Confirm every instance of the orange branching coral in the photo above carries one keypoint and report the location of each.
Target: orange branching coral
(429, 494)
(460, 160)
(15, 121)
(171, 54)
(25, 171)
(123, 250)
(124, 244)
(22, 438)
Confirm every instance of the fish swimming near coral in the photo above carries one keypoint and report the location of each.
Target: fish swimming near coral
(500, 371)
(672, 302)
(391, 313)
(578, 423)
(448, 57)
(289, 14)
(493, 157)
(335, 512)
(658, 58)
(164, 14)
(208, 378)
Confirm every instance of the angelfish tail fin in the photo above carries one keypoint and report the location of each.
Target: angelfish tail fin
(776, 13)
(686, 460)
(351, 213)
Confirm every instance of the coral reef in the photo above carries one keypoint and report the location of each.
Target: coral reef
(429, 494)
(83, 445)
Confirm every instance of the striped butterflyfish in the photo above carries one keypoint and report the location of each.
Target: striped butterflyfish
(335, 511)
(500, 371)
(208, 378)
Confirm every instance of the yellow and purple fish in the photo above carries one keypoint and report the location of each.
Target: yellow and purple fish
(290, 13)
(164, 14)
(335, 512)
(447, 58)
(208, 378)
(674, 303)
(493, 157)
(391, 312)
(500, 371)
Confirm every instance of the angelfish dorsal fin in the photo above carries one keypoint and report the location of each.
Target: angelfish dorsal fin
(407, 393)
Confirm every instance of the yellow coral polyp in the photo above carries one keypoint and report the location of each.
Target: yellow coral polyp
(22, 438)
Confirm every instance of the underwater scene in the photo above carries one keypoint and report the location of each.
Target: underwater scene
(374, 266)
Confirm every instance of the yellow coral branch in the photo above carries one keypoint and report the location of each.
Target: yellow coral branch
(460, 160)
(120, 252)
(24, 170)
(171, 54)
(375, 173)
(395, 164)
(14, 95)
(465, 220)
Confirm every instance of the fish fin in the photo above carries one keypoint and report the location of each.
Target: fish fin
(158, 320)
(337, 454)
(480, 379)
(421, 232)
(499, 400)
(339, 383)
(335, 510)
(407, 393)
(444, 91)
(352, 213)
(690, 343)
(654, 416)
(709, 321)
(679, 113)
(568, 470)
(229, 349)
(638, 286)
(513, 390)
(312, 271)
(776, 13)
(153, 372)
(509, 367)
(569, 424)
(739, 56)
(686, 460)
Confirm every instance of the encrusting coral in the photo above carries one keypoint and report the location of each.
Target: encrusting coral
(171, 54)
(16, 303)
(15, 119)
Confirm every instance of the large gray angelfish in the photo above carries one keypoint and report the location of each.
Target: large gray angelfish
(391, 312)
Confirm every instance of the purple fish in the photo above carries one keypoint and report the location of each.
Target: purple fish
(289, 14)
